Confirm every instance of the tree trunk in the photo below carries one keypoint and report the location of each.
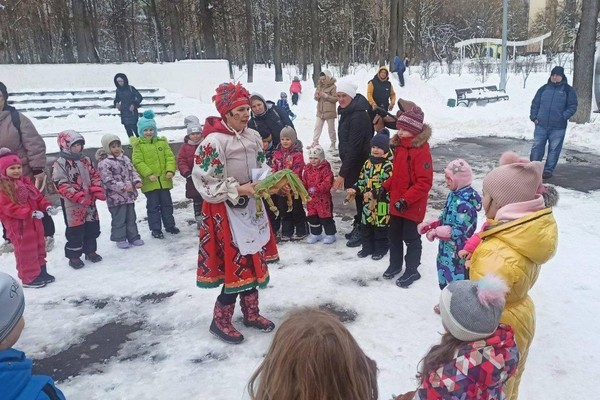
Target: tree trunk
(316, 41)
(585, 48)
(277, 42)
(83, 37)
(158, 31)
(173, 9)
(394, 22)
(249, 41)
(208, 39)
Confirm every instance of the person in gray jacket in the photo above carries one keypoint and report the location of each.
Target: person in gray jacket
(19, 135)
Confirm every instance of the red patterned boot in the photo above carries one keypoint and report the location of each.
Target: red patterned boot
(221, 325)
(252, 318)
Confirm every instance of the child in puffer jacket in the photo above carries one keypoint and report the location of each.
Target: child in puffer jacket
(79, 186)
(288, 155)
(295, 90)
(21, 209)
(284, 105)
(185, 163)
(456, 224)
(121, 181)
(375, 215)
(16, 379)
(476, 355)
(317, 178)
(155, 162)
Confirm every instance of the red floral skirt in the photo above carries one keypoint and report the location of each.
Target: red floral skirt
(220, 261)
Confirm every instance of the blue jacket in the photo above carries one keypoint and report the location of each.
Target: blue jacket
(553, 105)
(399, 64)
(17, 382)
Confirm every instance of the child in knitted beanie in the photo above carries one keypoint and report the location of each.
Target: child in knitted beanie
(288, 155)
(476, 355)
(317, 178)
(455, 225)
(185, 163)
(522, 236)
(284, 105)
(155, 162)
(409, 190)
(21, 210)
(375, 216)
(16, 378)
(121, 181)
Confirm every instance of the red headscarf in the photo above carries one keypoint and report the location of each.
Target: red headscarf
(230, 96)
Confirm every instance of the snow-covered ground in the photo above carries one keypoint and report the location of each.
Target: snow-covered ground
(173, 356)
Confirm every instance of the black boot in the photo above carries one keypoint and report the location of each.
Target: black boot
(355, 239)
(349, 234)
(44, 274)
(408, 278)
(391, 272)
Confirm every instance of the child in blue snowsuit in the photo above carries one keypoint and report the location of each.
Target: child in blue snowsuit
(456, 224)
(16, 380)
(285, 106)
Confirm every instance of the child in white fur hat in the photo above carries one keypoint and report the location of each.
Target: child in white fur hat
(317, 178)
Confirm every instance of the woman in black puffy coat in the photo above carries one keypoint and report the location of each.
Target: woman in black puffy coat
(127, 101)
(267, 118)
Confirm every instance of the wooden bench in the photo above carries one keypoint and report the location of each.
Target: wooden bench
(483, 94)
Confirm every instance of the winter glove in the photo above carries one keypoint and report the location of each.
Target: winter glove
(430, 235)
(401, 205)
(37, 214)
(426, 226)
(443, 232)
(97, 192)
(379, 193)
(312, 191)
(87, 200)
(52, 210)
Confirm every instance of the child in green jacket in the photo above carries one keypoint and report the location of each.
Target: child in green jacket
(155, 162)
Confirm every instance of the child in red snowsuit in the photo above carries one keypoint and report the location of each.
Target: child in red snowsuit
(317, 178)
(288, 155)
(295, 90)
(22, 207)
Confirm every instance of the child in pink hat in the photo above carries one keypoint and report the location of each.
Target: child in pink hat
(455, 225)
(22, 207)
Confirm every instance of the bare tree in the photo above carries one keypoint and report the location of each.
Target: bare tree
(277, 42)
(249, 41)
(173, 7)
(316, 41)
(86, 52)
(208, 39)
(585, 48)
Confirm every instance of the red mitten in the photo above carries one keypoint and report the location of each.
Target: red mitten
(87, 200)
(426, 226)
(97, 192)
(443, 232)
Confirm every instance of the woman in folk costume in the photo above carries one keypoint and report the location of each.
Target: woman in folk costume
(235, 243)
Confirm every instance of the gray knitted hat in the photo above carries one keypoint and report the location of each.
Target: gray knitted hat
(192, 123)
(288, 132)
(12, 304)
(471, 310)
(107, 140)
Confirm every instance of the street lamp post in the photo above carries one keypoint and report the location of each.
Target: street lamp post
(504, 38)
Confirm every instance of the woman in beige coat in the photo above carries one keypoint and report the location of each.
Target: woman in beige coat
(326, 106)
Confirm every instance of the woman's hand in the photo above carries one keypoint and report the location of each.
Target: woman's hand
(338, 183)
(247, 189)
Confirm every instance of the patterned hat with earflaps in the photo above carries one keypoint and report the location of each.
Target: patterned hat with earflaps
(230, 96)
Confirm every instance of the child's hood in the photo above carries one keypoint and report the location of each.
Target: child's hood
(498, 351)
(15, 373)
(67, 138)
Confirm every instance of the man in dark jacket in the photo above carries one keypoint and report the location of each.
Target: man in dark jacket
(355, 131)
(127, 101)
(267, 118)
(553, 105)
(380, 91)
(399, 68)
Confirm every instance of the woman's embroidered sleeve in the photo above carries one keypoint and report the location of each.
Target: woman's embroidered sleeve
(209, 173)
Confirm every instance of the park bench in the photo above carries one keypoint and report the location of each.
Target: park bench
(480, 95)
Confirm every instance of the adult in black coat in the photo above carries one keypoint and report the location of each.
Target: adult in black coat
(127, 101)
(355, 131)
(267, 118)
